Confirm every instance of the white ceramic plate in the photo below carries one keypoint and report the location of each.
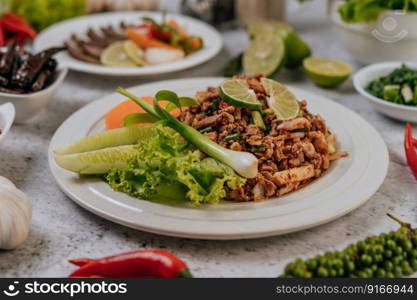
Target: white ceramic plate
(366, 75)
(346, 186)
(58, 33)
(7, 114)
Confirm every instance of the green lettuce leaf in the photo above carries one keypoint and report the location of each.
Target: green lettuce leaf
(167, 167)
(363, 11)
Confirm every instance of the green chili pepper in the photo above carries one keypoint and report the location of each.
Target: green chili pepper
(207, 129)
(232, 137)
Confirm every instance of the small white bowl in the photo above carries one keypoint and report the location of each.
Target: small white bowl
(29, 105)
(365, 76)
(390, 38)
(7, 115)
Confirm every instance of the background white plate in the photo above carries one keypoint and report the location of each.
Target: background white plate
(57, 34)
(7, 114)
(346, 186)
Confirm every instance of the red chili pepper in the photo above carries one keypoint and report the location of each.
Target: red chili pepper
(18, 29)
(150, 30)
(135, 264)
(2, 36)
(410, 145)
(15, 18)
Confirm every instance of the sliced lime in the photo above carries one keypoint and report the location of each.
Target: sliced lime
(280, 100)
(266, 27)
(97, 162)
(134, 52)
(296, 49)
(110, 138)
(237, 93)
(115, 56)
(327, 72)
(265, 55)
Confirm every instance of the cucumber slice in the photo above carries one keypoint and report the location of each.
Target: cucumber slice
(392, 92)
(111, 138)
(97, 162)
(407, 93)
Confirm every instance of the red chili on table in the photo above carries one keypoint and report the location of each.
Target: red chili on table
(410, 145)
(135, 264)
(2, 36)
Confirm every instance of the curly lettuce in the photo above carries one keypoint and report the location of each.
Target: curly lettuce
(166, 167)
(363, 11)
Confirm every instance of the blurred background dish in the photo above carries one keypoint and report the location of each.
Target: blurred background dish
(59, 33)
(7, 114)
(366, 75)
(392, 36)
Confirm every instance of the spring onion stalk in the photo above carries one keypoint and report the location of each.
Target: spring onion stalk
(244, 163)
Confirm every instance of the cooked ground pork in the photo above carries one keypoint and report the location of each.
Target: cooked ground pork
(290, 153)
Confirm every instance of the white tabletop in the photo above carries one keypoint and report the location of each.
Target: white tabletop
(61, 230)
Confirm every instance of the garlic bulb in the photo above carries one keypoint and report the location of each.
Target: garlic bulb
(15, 215)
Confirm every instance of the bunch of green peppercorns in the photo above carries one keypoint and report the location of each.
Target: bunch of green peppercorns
(387, 255)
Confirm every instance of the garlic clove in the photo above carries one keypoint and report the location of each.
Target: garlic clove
(15, 215)
(5, 181)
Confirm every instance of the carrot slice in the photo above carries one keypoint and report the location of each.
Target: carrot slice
(114, 118)
(144, 41)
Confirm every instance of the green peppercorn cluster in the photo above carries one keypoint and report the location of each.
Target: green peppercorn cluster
(387, 255)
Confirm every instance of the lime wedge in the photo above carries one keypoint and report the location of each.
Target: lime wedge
(134, 52)
(266, 27)
(97, 162)
(265, 55)
(327, 72)
(115, 56)
(237, 93)
(280, 100)
(107, 139)
(297, 50)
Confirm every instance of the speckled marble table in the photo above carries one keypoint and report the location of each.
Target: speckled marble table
(60, 229)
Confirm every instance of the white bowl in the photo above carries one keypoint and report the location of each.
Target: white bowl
(7, 115)
(391, 38)
(29, 105)
(365, 76)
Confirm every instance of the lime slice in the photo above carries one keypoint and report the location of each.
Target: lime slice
(115, 56)
(266, 27)
(297, 50)
(110, 138)
(327, 72)
(237, 93)
(134, 52)
(97, 162)
(265, 55)
(281, 100)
